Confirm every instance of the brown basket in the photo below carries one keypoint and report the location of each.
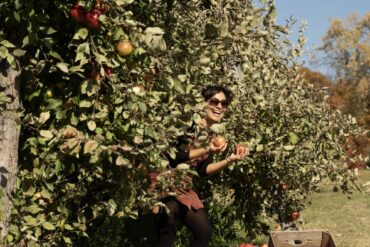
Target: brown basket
(313, 238)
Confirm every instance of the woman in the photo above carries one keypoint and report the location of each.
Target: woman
(186, 207)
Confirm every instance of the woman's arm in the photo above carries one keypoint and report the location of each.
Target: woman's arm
(218, 166)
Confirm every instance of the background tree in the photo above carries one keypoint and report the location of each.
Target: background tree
(347, 48)
(108, 87)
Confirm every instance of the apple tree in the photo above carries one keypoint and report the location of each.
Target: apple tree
(108, 87)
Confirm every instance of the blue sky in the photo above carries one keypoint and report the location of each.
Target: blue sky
(317, 13)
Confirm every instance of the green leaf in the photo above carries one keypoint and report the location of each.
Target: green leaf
(120, 161)
(19, 52)
(91, 125)
(81, 34)
(7, 44)
(34, 209)
(289, 147)
(47, 134)
(30, 220)
(50, 30)
(293, 138)
(44, 116)
(48, 226)
(259, 148)
(63, 67)
(54, 104)
(55, 55)
(3, 52)
(67, 240)
(85, 104)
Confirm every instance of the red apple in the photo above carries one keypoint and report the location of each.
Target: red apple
(108, 71)
(240, 149)
(219, 141)
(106, 8)
(295, 215)
(77, 13)
(92, 18)
(94, 75)
(284, 186)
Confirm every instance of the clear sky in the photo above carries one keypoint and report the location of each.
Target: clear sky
(317, 13)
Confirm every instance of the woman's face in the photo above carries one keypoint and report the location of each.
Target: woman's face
(216, 108)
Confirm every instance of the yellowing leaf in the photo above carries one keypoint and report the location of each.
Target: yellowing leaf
(90, 146)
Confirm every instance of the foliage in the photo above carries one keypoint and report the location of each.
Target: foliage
(347, 50)
(96, 122)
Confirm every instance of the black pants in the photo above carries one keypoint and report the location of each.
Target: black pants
(195, 220)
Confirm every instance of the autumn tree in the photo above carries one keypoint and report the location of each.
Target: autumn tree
(347, 48)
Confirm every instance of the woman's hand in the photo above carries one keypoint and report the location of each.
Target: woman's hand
(240, 152)
(217, 149)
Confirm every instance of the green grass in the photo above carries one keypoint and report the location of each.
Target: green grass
(348, 220)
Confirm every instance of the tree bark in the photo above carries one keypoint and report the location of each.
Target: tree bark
(9, 139)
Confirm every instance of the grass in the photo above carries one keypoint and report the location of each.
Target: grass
(348, 220)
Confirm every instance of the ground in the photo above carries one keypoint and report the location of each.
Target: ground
(348, 220)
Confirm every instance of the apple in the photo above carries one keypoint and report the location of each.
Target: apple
(106, 8)
(240, 149)
(94, 75)
(77, 13)
(108, 71)
(295, 215)
(92, 18)
(284, 186)
(219, 141)
(264, 245)
(248, 245)
(124, 48)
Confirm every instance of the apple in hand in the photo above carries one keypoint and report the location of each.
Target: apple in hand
(77, 13)
(219, 141)
(240, 149)
(92, 18)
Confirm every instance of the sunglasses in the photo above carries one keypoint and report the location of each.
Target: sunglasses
(215, 102)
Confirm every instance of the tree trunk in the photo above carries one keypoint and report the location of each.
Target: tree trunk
(9, 139)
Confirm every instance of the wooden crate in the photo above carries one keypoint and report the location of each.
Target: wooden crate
(312, 238)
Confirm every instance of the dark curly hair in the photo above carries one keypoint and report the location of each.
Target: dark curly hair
(210, 91)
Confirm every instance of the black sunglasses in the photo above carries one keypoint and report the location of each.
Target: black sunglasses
(215, 102)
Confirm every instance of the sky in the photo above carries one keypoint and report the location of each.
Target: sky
(317, 13)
